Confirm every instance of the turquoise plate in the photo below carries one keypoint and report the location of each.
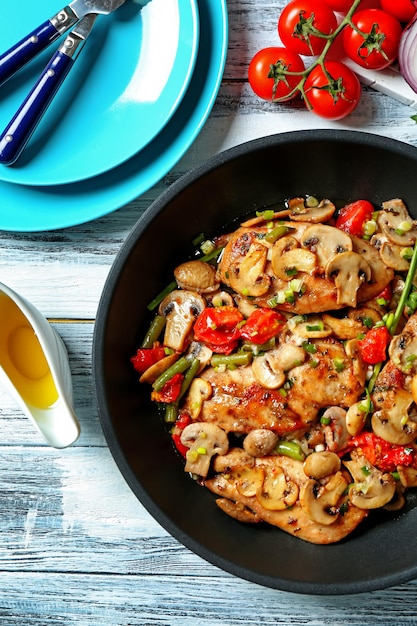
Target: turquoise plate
(29, 209)
(122, 90)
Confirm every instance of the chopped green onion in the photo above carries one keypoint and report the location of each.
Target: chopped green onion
(291, 449)
(407, 253)
(368, 322)
(202, 450)
(207, 247)
(339, 365)
(291, 271)
(313, 363)
(279, 298)
(325, 420)
(171, 413)
(369, 229)
(212, 255)
(312, 202)
(315, 327)
(268, 214)
(382, 301)
(309, 347)
(297, 285)
(197, 240)
(365, 470)
(276, 233)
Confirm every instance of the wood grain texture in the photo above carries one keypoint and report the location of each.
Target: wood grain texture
(76, 547)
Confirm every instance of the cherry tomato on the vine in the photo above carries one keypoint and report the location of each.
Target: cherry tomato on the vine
(268, 76)
(341, 6)
(376, 45)
(304, 25)
(403, 10)
(333, 91)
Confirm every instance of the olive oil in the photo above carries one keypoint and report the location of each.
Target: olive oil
(22, 357)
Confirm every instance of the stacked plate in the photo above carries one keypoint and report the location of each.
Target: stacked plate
(133, 103)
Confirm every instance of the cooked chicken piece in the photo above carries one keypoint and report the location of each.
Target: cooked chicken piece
(246, 267)
(239, 404)
(295, 519)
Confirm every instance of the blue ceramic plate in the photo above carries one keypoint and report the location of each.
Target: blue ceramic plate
(122, 90)
(48, 208)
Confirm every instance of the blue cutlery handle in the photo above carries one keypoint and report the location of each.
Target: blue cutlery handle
(26, 49)
(15, 137)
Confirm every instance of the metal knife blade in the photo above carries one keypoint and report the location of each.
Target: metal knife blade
(101, 7)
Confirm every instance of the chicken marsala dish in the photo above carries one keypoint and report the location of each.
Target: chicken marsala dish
(284, 356)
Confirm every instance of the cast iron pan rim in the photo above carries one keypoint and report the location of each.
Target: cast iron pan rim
(358, 138)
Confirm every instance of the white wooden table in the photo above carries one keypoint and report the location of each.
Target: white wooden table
(76, 547)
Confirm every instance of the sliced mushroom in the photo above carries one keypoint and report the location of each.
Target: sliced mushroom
(277, 493)
(238, 511)
(155, 370)
(403, 349)
(321, 464)
(348, 270)
(222, 298)
(408, 475)
(393, 422)
(288, 355)
(318, 212)
(372, 489)
(288, 264)
(204, 441)
(248, 277)
(267, 371)
(354, 354)
(392, 256)
(197, 350)
(335, 432)
(355, 419)
(197, 276)
(235, 459)
(260, 442)
(181, 308)
(249, 480)
(396, 223)
(199, 391)
(353, 325)
(326, 242)
(320, 500)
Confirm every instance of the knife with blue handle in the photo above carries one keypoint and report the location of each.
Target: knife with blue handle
(18, 132)
(30, 46)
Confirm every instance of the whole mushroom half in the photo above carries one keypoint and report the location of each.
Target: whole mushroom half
(181, 308)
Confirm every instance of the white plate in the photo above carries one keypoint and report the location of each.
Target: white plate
(122, 90)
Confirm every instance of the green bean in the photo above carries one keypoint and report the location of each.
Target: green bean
(154, 331)
(171, 413)
(188, 377)
(158, 299)
(291, 449)
(231, 360)
(176, 368)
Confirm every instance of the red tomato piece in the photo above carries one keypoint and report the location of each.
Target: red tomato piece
(182, 421)
(352, 217)
(301, 21)
(170, 391)
(374, 41)
(145, 357)
(261, 325)
(268, 75)
(219, 328)
(332, 92)
(383, 455)
(373, 348)
(403, 10)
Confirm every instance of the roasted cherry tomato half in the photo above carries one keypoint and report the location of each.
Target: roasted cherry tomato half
(302, 24)
(170, 391)
(267, 73)
(218, 327)
(145, 357)
(383, 455)
(374, 41)
(373, 348)
(261, 325)
(332, 92)
(353, 217)
(403, 10)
